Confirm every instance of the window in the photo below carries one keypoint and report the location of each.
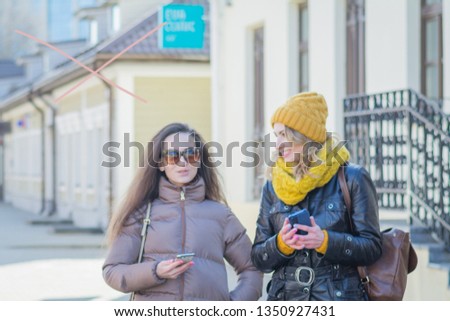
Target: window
(83, 29)
(62, 159)
(356, 47)
(93, 157)
(86, 3)
(36, 156)
(258, 107)
(432, 49)
(303, 48)
(59, 20)
(115, 18)
(90, 169)
(93, 32)
(76, 149)
(18, 160)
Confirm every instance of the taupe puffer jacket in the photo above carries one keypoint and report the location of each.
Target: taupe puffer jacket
(183, 221)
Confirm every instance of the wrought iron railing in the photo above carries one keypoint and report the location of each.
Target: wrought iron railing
(403, 139)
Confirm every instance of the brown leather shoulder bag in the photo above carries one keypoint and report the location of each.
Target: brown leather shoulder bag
(384, 280)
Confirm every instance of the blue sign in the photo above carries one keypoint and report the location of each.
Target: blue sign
(185, 26)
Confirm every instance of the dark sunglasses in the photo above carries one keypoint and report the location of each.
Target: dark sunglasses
(173, 156)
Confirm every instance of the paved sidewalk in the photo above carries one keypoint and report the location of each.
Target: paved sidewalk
(38, 264)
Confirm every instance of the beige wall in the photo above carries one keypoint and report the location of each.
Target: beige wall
(96, 95)
(428, 282)
(69, 103)
(185, 100)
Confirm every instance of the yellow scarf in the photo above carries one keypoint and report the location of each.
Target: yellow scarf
(291, 191)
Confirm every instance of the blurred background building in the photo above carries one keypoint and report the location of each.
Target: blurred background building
(53, 152)
(338, 48)
(381, 65)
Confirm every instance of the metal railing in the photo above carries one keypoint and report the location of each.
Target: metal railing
(403, 139)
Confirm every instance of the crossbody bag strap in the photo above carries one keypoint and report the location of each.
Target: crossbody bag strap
(145, 225)
(348, 203)
(346, 194)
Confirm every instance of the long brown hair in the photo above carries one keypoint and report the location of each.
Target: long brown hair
(145, 184)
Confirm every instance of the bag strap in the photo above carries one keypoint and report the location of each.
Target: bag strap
(346, 194)
(145, 225)
(348, 203)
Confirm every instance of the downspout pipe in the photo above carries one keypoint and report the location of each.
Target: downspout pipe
(54, 153)
(41, 112)
(2, 164)
(110, 134)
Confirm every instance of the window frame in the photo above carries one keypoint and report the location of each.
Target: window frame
(303, 49)
(430, 12)
(355, 47)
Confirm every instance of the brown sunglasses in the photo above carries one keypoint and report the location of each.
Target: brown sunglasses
(173, 156)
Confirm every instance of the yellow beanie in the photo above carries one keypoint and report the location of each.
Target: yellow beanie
(306, 113)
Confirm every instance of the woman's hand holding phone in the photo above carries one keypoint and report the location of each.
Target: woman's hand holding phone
(315, 236)
(186, 257)
(171, 269)
(312, 240)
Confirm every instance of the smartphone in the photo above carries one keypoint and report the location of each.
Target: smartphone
(300, 217)
(186, 257)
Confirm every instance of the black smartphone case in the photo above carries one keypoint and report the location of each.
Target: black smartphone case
(300, 217)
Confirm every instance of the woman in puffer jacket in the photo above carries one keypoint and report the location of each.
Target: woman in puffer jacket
(188, 215)
(320, 265)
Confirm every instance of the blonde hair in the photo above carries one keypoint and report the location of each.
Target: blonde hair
(301, 168)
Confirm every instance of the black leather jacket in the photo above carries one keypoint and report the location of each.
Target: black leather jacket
(333, 275)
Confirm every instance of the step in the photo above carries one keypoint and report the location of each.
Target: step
(50, 221)
(393, 214)
(439, 256)
(72, 229)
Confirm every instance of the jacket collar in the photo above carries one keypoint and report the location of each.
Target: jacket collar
(194, 192)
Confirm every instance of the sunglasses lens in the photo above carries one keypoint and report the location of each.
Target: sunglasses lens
(192, 155)
(171, 157)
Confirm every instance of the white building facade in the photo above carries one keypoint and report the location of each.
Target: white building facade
(264, 51)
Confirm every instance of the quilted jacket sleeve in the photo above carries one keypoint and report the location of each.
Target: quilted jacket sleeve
(237, 253)
(120, 269)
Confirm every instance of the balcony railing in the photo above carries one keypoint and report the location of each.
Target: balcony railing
(403, 139)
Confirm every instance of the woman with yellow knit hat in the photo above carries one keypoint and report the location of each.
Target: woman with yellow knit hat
(317, 259)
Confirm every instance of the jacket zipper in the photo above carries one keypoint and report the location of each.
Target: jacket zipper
(183, 233)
